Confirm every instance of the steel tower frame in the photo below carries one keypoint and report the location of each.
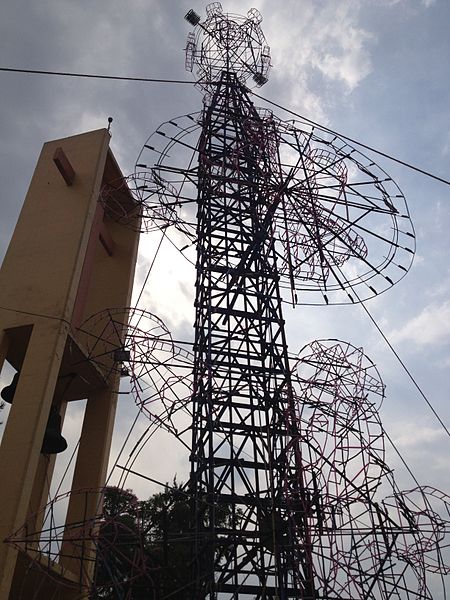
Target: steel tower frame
(241, 367)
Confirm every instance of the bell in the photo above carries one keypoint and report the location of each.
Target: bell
(53, 442)
(8, 392)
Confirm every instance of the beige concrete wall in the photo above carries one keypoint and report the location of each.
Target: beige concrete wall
(40, 279)
(42, 265)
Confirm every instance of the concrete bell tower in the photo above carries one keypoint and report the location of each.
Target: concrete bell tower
(66, 261)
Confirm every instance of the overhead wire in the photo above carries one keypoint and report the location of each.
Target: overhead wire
(407, 371)
(352, 140)
(151, 265)
(96, 76)
(273, 103)
(399, 454)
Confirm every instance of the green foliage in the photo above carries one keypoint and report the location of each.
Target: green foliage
(144, 546)
(117, 501)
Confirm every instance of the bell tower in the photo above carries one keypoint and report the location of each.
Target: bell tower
(66, 261)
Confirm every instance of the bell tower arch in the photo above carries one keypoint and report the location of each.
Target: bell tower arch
(66, 261)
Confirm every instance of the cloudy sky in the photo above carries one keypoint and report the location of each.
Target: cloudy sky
(375, 70)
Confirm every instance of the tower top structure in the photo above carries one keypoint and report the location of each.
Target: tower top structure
(227, 42)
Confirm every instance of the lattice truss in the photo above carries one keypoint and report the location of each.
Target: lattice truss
(280, 207)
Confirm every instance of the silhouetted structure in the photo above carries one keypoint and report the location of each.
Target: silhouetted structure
(285, 212)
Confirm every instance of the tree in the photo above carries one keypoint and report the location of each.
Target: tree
(144, 546)
(122, 564)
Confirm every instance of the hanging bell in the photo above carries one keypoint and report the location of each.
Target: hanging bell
(53, 442)
(8, 392)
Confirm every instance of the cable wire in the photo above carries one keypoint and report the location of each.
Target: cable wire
(182, 81)
(408, 372)
(151, 266)
(353, 141)
(95, 76)
(405, 464)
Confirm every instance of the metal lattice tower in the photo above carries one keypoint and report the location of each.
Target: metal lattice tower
(241, 372)
(290, 493)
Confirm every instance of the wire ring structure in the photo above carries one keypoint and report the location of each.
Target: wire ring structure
(336, 390)
(335, 456)
(163, 212)
(226, 41)
(347, 552)
(162, 387)
(425, 514)
(335, 472)
(66, 552)
(118, 340)
(346, 220)
(138, 344)
(338, 221)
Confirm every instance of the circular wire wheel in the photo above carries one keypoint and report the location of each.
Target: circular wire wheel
(227, 42)
(344, 228)
(162, 387)
(424, 513)
(137, 344)
(337, 391)
(100, 556)
(144, 215)
(340, 226)
(123, 340)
